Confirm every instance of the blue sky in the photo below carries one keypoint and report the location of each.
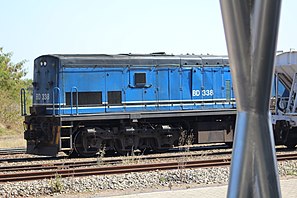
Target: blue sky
(33, 27)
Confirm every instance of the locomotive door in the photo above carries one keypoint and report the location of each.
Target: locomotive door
(186, 82)
(218, 86)
(175, 74)
(141, 94)
(163, 96)
(207, 87)
(197, 87)
(114, 87)
(149, 94)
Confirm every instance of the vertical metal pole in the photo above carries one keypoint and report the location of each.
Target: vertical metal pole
(23, 102)
(276, 92)
(251, 28)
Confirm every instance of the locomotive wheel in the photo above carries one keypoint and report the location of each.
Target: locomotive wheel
(82, 146)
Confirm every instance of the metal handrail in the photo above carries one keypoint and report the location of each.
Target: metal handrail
(59, 102)
(71, 100)
(23, 102)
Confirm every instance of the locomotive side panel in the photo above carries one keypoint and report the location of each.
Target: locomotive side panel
(84, 88)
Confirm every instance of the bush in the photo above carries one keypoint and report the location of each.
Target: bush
(11, 81)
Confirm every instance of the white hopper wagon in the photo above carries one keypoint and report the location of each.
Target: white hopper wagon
(284, 116)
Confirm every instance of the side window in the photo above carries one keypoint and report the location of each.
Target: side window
(282, 90)
(114, 97)
(84, 98)
(140, 79)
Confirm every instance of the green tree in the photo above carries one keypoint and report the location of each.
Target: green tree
(11, 81)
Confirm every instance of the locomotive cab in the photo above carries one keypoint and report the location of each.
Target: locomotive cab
(45, 83)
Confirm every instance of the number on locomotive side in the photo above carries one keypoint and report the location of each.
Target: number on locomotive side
(38, 96)
(206, 92)
(196, 93)
(44, 96)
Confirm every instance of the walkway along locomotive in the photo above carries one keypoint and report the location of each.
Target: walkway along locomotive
(84, 103)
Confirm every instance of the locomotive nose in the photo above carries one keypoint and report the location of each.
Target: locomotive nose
(44, 82)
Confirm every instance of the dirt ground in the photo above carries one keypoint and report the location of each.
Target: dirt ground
(12, 141)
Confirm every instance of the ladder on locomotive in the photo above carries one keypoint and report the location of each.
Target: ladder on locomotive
(292, 103)
(66, 137)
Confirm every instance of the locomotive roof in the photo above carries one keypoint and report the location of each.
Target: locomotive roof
(138, 59)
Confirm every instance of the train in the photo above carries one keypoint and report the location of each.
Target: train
(83, 103)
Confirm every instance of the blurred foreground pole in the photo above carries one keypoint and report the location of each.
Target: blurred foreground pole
(251, 28)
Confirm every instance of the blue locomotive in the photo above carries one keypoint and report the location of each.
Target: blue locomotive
(124, 102)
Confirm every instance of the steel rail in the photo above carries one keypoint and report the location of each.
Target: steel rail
(182, 149)
(111, 170)
(10, 151)
(68, 172)
(67, 165)
(63, 165)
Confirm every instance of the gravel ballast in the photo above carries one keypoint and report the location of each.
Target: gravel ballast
(153, 179)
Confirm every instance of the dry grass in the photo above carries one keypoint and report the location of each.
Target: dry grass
(12, 141)
(11, 137)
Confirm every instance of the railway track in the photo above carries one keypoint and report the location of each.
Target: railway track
(11, 151)
(46, 158)
(111, 170)
(29, 159)
(68, 171)
(102, 161)
(174, 150)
